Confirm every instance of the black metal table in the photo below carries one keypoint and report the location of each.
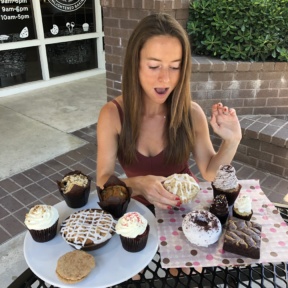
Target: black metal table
(257, 275)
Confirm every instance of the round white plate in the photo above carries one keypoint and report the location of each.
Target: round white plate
(113, 264)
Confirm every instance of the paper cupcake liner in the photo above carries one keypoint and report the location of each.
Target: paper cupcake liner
(231, 196)
(135, 244)
(243, 217)
(44, 235)
(115, 206)
(78, 196)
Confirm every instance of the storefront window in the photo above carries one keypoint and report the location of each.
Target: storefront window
(19, 66)
(16, 21)
(62, 17)
(71, 57)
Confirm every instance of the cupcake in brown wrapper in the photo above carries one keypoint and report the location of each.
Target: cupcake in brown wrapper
(135, 244)
(42, 221)
(75, 189)
(231, 195)
(242, 208)
(226, 182)
(114, 196)
(44, 235)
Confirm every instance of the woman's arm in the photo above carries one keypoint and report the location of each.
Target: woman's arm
(224, 123)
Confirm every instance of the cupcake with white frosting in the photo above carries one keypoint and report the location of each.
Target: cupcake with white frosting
(42, 221)
(226, 183)
(242, 208)
(133, 229)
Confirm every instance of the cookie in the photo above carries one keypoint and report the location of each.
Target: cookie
(74, 266)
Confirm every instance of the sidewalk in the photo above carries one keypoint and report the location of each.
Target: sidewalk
(45, 134)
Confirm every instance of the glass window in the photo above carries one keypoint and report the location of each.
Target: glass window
(70, 57)
(16, 21)
(19, 66)
(62, 17)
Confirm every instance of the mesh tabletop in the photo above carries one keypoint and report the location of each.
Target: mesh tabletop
(255, 275)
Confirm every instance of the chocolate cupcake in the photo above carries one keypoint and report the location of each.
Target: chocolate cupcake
(219, 208)
(114, 197)
(42, 221)
(75, 189)
(226, 183)
(242, 208)
(133, 229)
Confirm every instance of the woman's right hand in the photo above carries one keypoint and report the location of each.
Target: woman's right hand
(151, 188)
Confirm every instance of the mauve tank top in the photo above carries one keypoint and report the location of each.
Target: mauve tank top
(154, 165)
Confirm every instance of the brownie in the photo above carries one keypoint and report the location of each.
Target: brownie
(243, 238)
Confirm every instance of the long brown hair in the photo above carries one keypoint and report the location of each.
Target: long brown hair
(180, 136)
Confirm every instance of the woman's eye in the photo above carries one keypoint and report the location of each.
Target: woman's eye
(175, 68)
(153, 67)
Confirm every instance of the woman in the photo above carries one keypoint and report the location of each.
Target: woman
(154, 126)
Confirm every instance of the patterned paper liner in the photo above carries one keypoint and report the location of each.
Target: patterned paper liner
(176, 251)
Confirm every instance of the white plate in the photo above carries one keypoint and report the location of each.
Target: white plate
(113, 264)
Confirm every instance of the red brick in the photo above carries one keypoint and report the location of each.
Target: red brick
(254, 102)
(243, 66)
(111, 22)
(268, 66)
(270, 75)
(231, 66)
(256, 66)
(119, 13)
(221, 76)
(128, 24)
(137, 14)
(277, 102)
(182, 14)
(233, 85)
(281, 66)
(246, 76)
(267, 93)
(278, 151)
(198, 77)
(242, 93)
(264, 110)
(272, 168)
(283, 93)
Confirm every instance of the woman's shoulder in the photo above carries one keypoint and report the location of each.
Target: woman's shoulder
(197, 111)
(110, 112)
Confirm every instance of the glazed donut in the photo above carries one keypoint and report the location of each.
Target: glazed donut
(201, 228)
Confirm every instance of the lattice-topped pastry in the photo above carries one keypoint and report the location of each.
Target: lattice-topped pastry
(88, 229)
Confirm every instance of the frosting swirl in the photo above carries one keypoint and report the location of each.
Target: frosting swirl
(243, 204)
(225, 178)
(131, 225)
(41, 217)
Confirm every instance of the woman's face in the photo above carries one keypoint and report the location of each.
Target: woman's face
(160, 66)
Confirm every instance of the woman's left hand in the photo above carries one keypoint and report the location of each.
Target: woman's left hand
(225, 123)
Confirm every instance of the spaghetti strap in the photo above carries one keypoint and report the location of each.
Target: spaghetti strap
(120, 111)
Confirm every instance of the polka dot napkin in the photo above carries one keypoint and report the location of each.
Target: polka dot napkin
(176, 251)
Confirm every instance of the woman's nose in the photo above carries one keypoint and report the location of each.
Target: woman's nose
(164, 75)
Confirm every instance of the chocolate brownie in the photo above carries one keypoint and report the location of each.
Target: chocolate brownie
(243, 238)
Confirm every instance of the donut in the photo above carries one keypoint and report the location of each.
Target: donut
(182, 185)
(201, 228)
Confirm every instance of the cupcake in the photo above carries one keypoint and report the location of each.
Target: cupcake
(75, 189)
(42, 221)
(226, 183)
(133, 229)
(242, 208)
(219, 208)
(114, 197)
(182, 185)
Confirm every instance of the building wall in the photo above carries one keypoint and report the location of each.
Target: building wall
(252, 88)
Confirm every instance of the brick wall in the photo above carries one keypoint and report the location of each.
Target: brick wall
(252, 88)
(119, 19)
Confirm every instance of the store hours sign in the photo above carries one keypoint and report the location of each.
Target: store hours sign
(16, 20)
(67, 5)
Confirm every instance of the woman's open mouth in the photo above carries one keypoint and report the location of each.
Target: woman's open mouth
(161, 91)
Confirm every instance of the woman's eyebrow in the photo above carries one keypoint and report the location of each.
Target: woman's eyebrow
(155, 59)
